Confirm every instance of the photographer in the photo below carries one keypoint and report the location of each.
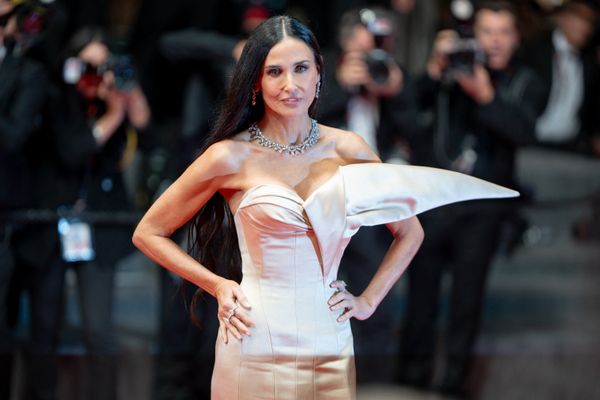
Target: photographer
(92, 117)
(369, 93)
(481, 112)
(22, 85)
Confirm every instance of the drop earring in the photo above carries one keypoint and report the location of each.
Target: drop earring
(253, 97)
(318, 92)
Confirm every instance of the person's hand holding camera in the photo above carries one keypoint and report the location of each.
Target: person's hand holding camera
(477, 85)
(389, 87)
(442, 46)
(353, 73)
(473, 78)
(127, 102)
(138, 110)
(130, 103)
(116, 109)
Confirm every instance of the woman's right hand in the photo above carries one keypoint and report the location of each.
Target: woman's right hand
(233, 310)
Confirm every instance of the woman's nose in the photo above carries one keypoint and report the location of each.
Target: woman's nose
(289, 83)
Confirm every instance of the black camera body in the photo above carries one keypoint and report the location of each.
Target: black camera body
(377, 64)
(466, 52)
(125, 75)
(378, 59)
(464, 55)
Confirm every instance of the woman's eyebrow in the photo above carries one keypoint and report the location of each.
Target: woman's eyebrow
(279, 66)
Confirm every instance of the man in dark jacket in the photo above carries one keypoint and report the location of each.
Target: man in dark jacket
(482, 112)
(22, 83)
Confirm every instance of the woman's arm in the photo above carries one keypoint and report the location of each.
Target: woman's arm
(176, 206)
(408, 236)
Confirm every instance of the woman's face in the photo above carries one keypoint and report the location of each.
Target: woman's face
(289, 78)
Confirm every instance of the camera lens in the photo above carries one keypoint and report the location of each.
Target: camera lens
(377, 64)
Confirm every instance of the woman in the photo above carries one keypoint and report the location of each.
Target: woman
(296, 192)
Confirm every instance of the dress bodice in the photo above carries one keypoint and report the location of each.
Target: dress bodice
(291, 248)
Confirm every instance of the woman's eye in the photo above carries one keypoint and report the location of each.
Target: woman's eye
(301, 68)
(273, 72)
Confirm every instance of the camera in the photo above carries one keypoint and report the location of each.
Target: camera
(378, 59)
(465, 52)
(464, 55)
(76, 71)
(122, 67)
(31, 16)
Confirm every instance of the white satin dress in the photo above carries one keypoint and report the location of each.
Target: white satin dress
(291, 249)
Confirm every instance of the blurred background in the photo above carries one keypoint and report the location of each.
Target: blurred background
(103, 103)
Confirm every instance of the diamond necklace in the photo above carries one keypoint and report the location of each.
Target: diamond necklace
(291, 149)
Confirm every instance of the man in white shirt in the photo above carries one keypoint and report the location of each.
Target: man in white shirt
(569, 70)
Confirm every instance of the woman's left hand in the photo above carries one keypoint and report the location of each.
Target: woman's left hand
(353, 306)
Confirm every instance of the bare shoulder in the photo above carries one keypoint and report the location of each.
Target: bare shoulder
(220, 159)
(350, 146)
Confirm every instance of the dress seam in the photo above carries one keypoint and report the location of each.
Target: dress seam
(296, 311)
(273, 361)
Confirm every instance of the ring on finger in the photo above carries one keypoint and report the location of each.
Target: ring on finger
(231, 312)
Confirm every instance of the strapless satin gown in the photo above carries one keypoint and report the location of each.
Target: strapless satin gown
(291, 249)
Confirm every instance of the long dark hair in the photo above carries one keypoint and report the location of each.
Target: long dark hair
(211, 233)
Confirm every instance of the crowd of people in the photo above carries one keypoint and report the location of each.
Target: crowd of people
(95, 122)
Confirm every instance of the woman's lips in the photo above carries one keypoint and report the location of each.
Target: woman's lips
(291, 100)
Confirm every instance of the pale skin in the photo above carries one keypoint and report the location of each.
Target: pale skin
(231, 167)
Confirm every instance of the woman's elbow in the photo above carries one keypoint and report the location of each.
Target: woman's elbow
(414, 233)
(140, 236)
(137, 238)
(419, 233)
